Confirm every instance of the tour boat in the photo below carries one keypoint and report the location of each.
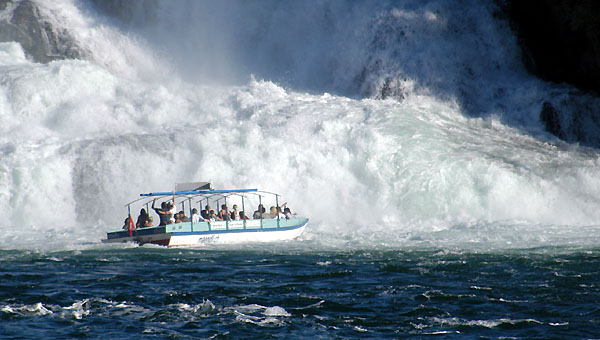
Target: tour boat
(228, 231)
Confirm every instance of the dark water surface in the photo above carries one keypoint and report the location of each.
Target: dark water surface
(158, 293)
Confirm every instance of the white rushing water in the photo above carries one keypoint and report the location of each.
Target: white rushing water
(459, 160)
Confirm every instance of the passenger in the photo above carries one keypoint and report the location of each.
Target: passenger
(212, 216)
(142, 219)
(234, 213)
(172, 211)
(199, 218)
(163, 212)
(149, 222)
(182, 217)
(243, 216)
(272, 213)
(206, 212)
(258, 214)
(288, 213)
(177, 217)
(280, 214)
(224, 213)
(126, 223)
(195, 216)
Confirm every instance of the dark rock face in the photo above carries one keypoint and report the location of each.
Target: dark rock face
(560, 39)
(40, 40)
(573, 118)
(552, 120)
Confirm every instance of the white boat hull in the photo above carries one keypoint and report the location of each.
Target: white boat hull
(199, 234)
(238, 237)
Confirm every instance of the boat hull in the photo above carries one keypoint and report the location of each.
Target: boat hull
(187, 234)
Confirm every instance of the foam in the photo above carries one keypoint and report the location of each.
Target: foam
(11, 53)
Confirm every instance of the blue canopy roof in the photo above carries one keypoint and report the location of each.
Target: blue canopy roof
(196, 192)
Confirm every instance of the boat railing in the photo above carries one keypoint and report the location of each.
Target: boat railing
(233, 226)
(208, 195)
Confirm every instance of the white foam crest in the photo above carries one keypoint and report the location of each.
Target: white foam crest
(482, 323)
(11, 53)
(203, 309)
(79, 309)
(36, 309)
(260, 315)
(276, 311)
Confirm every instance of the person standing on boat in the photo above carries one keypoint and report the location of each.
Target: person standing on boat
(165, 212)
(172, 212)
(162, 212)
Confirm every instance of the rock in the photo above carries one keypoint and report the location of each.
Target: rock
(560, 42)
(551, 119)
(39, 39)
(560, 39)
(4, 4)
(391, 87)
(574, 118)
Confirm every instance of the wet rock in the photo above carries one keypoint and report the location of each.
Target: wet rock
(391, 87)
(560, 39)
(574, 118)
(560, 42)
(551, 119)
(4, 4)
(41, 41)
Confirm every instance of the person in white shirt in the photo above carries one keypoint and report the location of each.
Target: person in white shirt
(172, 211)
(195, 216)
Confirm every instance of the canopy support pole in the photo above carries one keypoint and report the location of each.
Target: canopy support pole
(191, 219)
(260, 212)
(244, 211)
(226, 215)
(277, 205)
